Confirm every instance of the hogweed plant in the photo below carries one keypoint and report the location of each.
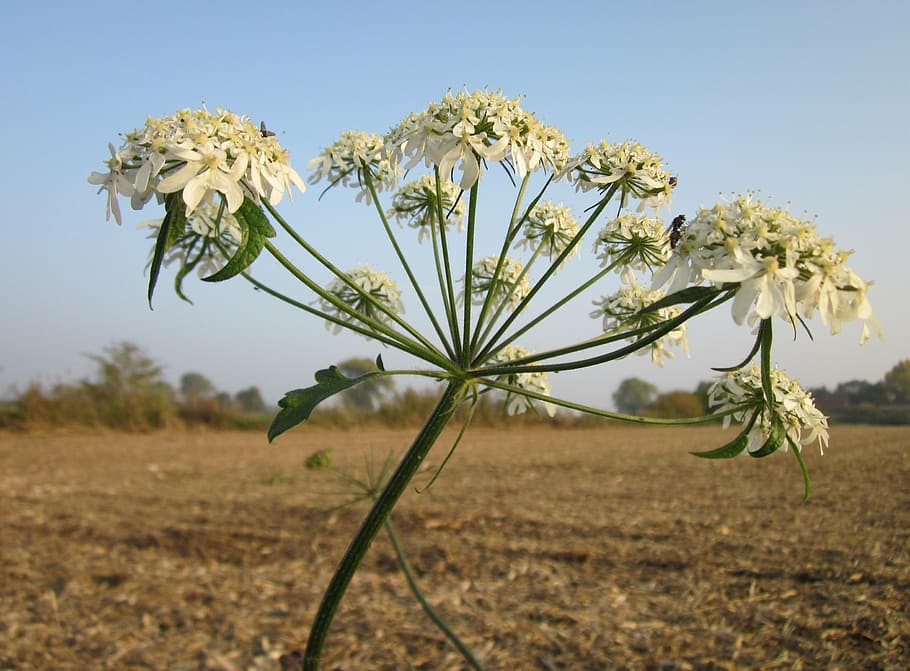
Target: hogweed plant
(220, 178)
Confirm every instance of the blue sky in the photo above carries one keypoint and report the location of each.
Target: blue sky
(806, 102)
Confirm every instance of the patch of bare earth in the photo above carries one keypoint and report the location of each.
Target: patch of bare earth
(606, 548)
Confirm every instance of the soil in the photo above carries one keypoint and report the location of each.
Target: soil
(549, 549)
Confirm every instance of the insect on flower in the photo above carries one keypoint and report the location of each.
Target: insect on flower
(265, 131)
(676, 229)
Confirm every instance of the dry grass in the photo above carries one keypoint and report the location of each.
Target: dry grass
(603, 548)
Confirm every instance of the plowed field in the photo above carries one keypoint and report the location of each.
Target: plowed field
(606, 548)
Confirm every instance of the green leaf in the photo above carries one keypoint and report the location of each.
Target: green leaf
(256, 228)
(774, 441)
(688, 295)
(728, 451)
(751, 355)
(734, 447)
(172, 228)
(188, 266)
(297, 405)
(802, 466)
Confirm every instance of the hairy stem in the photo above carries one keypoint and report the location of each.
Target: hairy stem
(377, 516)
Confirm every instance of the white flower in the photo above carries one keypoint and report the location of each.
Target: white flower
(550, 228)
(742, 391)
(635, 170)
(201, 154)
(536, 382)
(353, 157)
(415, 203)
(115, 182)
(510, 284)
(780, 264)
(370, 287)
(633, 241)
(623, 312)
(467, 129)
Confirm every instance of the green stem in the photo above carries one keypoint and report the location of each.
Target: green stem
(597, 412)
(448, 288)
(469, 276)
(427, 608)
(528, 364)
(407, 268)
(514, 226)
(423, 349)
(552, 269)
(492, 348)
(351, 326)
(506, 299)
(343, 277)
(442, 413)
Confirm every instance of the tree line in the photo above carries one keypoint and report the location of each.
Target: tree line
(858, 401)
(128, 392)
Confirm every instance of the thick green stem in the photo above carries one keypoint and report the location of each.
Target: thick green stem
(377, 516)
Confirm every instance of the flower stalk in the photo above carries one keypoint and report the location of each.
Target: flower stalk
(445, 408)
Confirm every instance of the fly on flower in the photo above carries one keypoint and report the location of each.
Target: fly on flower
(676, 229)
(265, 131)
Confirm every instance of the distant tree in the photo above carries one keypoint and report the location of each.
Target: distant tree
(250, 400)
(366, 395)
(862, 391)
(195, 387)
(897, 383)
(634, 395)
(676, 405)
(129, 391)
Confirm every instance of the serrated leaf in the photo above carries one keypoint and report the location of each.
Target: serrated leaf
(297, 405)
(255, 229)
(172, 227)
(687, 295)
(775, 440)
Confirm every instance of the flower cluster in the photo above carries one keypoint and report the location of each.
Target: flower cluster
(534, 382)
(350, 159)
(549, 228)
(633, 241)
(632, 168)
(778, 261)
(200, 154)
(467, 129)
(415, 203)
(623, 311)
(741, 391)
(368, 292)
(510, 284)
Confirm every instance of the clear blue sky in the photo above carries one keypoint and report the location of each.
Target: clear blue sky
(806, 101)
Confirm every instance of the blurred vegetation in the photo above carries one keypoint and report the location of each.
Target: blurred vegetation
(128, 392)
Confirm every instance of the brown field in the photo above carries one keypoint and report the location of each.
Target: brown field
(605, 548)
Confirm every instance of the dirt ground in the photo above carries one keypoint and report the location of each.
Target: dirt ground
(605, 548)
